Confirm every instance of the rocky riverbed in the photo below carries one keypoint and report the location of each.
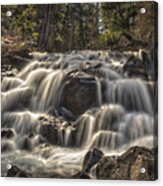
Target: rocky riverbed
(84, 114)
(137, 163)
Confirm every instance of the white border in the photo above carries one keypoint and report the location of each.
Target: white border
(63, 182)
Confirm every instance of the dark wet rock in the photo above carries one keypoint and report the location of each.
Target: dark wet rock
(134, 67)
(7, 146)
(52, 128)
(31, 135)
(16, 62)
(17, 172)
(91, 158)
(155, 164)
(26, 143)
(48, 128)
(7, 133)
(91, 66)
(8, 74)
(104, 90)
(81, 175)
(148, 63)
(49, 132)
(50, 119)
(142, 66)
(78, 93)
(13, 59)
(128, 166)
(66, 113)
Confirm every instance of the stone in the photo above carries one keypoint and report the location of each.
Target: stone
(134, 67)
(53, 129)
(78, 93)
(17, 172)
(128, 166)
(7, 133)
(26, 143)
(49, 132)
(7, 146)
(91, 158)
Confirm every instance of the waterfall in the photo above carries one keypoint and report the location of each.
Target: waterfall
(107, 139)
(99, 94)
(48, 93)
(85, 129)
(112, 123)
(33, 112)
(131, 93)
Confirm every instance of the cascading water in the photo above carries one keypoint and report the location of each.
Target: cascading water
(120, 116)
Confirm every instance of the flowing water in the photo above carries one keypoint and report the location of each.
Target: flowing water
(122, 116)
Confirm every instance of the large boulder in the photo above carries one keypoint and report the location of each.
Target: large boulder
(138, 163)
(79, 93)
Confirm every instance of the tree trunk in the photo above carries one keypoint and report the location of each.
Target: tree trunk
(82, 40)
(45, 29)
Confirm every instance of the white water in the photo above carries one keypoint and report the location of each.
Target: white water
(122, 117)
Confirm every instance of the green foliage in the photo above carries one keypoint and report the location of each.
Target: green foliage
(110, 36)
(65, 27)
(24, 21)
(117, 18)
